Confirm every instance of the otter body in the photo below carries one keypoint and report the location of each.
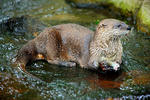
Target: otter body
(62, 44)
(68, 44)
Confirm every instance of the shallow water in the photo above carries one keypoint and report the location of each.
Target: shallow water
(58, 82)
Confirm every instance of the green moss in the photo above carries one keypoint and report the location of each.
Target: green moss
(143, 16)
(127, 5)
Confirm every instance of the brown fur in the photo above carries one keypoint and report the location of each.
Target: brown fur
(68, 44)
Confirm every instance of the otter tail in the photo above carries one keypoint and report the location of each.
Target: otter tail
(20, 67)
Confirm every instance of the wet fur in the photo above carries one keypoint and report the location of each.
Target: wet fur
(68, 44)
(59, 46)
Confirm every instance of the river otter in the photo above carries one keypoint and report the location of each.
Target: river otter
(68, 44)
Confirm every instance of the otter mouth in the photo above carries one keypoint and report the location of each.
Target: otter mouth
(125, 33)
(107, 67)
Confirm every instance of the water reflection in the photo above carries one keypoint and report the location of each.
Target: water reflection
(110, 80)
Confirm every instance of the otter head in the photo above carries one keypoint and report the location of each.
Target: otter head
(113, 28)
(106, 44)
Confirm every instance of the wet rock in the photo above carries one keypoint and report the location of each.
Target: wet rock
(20, 25)
(84, 3)
(136, 82)
(126, 6)
(140, 97)
(15, 25)
(10, 87)
(140, 78)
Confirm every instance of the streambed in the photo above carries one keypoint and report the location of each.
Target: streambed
(22, 20)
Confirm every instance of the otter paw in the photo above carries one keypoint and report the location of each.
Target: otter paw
(71, 64)
(115, 66)
(67, 64)
(94, 64)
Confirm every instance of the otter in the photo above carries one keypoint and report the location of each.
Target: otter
(72, 44)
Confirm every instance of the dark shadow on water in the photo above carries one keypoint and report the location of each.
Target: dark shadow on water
(47, 72)
(107, 80)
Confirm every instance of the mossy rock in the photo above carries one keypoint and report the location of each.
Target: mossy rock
(138, 9)
(84, 3)
(143, 17)
(125, 5)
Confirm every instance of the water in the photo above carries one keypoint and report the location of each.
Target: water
(58, 82)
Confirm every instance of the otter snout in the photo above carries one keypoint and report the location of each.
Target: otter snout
(109, 66)
(129, 28)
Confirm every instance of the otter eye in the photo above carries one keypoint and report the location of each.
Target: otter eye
(119, 25)
(104, 25)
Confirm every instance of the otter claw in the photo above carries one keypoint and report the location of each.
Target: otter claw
(109, 66)
(71, 64)
(95, 63)
(115, 66)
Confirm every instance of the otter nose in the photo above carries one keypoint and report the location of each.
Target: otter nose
(128, 28)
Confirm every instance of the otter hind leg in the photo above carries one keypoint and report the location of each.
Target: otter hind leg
(54, 48)
(62, 63)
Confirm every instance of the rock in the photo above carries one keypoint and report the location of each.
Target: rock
(16, 25)
(139, 10)
(84, 3)
(143, 19)
(20, 25)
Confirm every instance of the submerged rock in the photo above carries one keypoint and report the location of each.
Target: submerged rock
(15, 25)
(20, 25)
(125, 5)
(84, 3)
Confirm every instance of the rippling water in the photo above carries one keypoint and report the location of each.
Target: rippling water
(22, 20)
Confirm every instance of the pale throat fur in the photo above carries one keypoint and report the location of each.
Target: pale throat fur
(105, 46)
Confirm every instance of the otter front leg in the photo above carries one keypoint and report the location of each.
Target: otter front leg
(111, 63)
(93, 63)
(118, 58)
(62, 63)
(115, 65)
